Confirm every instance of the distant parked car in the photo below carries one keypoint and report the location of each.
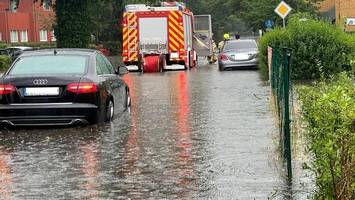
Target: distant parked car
(4, 52)
(62, 87)
(238, 54)
(14, 52)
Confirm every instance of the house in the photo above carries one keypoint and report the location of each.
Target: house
(29, 21)
(340, 11)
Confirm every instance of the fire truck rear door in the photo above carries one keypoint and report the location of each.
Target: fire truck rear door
(152, 32)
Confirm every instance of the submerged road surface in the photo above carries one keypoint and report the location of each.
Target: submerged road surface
(201, 134)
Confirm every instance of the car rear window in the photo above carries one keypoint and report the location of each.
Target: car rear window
(239, 45)
(50, 64)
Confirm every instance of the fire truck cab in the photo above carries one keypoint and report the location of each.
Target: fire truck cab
(158, 38)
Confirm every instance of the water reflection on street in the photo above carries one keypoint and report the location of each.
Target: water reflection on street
(201, 134)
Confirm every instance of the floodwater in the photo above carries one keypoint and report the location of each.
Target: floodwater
(200, 134)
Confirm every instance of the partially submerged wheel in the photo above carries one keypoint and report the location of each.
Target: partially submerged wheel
(162, 63)
(128, 101)
(220, 68)
(110, 111)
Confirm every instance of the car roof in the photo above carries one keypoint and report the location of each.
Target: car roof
(84, 52)
(241, 40)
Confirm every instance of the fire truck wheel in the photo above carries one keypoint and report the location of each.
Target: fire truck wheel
(189, 63)
(163, 64)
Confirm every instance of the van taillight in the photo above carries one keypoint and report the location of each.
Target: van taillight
(7, 89)
(80, 88)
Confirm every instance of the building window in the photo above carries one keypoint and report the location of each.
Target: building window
(53, 36)
(43, 36)
(0, 36)
(24, 36)
(13, 6)
(46, 5)
(13, 36)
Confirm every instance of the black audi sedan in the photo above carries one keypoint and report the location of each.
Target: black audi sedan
(62, 87)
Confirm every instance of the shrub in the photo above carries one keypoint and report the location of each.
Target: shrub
(113, 46)
(5, 62)
(329, 112)
(318, 48)
(276, 38)
(3, 45)
(36, 45)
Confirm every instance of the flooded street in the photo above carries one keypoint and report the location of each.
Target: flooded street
(201, 134)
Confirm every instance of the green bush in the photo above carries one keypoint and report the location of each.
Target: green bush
(38, 45)
(319, 49)
(276, 38)
(329, 113)
(3, 45)
(5, 62)
(113, 46)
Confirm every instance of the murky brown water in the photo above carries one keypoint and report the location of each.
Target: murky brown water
(201, 134)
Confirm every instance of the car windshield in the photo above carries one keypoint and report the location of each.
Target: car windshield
(240, 45)
(50, 64)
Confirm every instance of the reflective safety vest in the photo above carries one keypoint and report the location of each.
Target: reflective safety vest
(226, 36)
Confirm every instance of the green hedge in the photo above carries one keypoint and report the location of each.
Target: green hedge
(329, 113)
(39, 45)
(276, 38)
(319, 49)
(3, 45)
(5, 62)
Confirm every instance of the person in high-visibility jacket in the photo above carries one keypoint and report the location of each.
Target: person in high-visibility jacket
(226, 37)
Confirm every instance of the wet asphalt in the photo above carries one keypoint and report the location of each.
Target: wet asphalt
(200, 134)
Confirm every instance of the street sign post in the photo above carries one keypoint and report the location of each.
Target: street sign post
(283, 9)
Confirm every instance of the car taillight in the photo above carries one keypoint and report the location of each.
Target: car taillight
(7, 89)
(223, 57)
(80, 88)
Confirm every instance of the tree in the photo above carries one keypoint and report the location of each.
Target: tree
(78, 20)
(244, 16)
(73, 27)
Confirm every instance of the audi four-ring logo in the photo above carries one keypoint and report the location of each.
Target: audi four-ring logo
(40, 82)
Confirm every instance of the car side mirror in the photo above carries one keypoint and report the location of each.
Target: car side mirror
(121, 70)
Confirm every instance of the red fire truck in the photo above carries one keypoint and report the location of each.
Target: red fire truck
(158, 38)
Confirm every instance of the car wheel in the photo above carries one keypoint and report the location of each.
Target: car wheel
(220, 68)
(110, 111)
(128, 100)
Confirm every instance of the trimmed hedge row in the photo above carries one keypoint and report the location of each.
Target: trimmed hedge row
(319, 49)
(329, 113)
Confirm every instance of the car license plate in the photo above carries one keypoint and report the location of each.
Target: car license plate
(42, 91)
(241, 56)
